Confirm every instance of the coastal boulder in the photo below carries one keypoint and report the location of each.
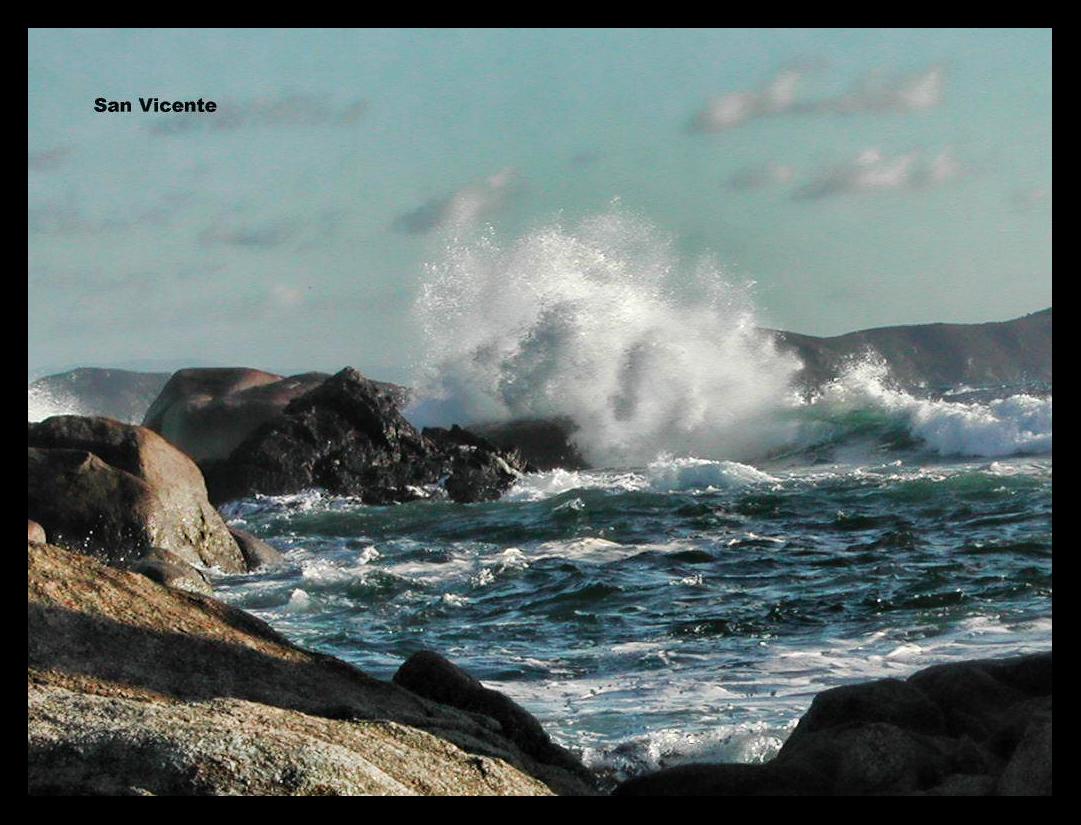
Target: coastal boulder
(434, 677)
(968, 728)
(348, 437)
(169, 570)
(116, 490)
(257, 553)
(207, 413)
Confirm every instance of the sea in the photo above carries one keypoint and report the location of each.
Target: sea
(741, 543)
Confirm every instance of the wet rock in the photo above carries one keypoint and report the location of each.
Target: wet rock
(967, 728)
(170, 570)
(257, 553)
(434, 677)
(546, 444)
(347, 436)
(116, 490)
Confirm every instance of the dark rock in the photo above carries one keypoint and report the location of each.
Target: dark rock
(119, 394)
(34, 531)
(347, 436)
(257, 553)
(964, 729)
(546, 444)
(116, 490)
(1028, 772)
(432, 676)
(886, 700)
(972, 700)
(725, 780)
(169, 570)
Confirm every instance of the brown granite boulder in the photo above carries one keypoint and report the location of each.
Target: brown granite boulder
(207, 413)
(116, 490)
(138, 688)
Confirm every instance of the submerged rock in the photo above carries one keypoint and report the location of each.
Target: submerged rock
(116, 490)
(257, 553)
(970, 728)
(347, 436)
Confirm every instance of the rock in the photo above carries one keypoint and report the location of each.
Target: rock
(929, 356)
(432, 676)
(724, 780)
(86, 744)
(207, 413)
(170, 570)
(181, 666)
(257, 553)
(34, 531)
(890, 701)
(546, 444)
(1028, 773)
(347, 436)
(967, 728)
(119, 394)
(116, 490)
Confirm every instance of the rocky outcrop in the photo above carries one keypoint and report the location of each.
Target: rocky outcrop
(119, 394)
(971, 728)
(935, 356)
(169, 570)
(138, 688)
(116, 490)
(34, 531)
(347, 436)
(207, 413)
(257, 553)
(546, 444)
(432, 676)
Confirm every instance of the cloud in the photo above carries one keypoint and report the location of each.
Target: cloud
(268, 112)
(1031, 198)
(876, 91)
(47, 160)
(266, 235)
(757, 177)
(463, 207)
(727, 111)
(871, 171)
(882, 92)
(299, 232)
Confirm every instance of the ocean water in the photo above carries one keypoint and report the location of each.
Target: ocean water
(743, 544)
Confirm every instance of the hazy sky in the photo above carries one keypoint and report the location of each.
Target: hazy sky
(859, 178)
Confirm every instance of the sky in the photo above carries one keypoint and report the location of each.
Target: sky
(851, 178)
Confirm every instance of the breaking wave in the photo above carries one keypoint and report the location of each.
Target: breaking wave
(602, 324)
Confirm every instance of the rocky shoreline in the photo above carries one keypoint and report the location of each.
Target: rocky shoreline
(140, 682)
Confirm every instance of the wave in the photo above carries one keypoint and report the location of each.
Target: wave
(602, 324)
(42, 404)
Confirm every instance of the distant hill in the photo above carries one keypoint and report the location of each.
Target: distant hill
(936, 356)
(120, 394)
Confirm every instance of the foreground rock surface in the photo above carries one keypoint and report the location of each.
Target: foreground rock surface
(347, 436)
(971, 728)
(124, 673)
(116, 490)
